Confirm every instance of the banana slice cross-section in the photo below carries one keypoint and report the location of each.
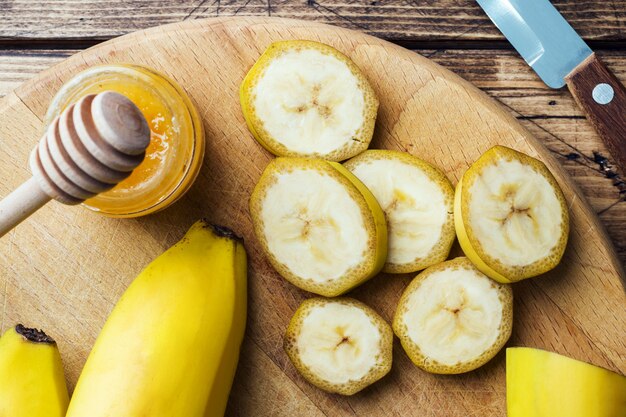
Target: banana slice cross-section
(418, 201)
(510, 215)
(305, 98)
(339, 345)
(319, 225)
(452, 318)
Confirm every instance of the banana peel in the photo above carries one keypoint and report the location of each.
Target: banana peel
(32, 383)
(171, 344)
(544, 384)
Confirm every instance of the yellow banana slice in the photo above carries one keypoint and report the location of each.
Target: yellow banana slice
(320, 227)
(339, 345)
(510, 215)
(453, 319)
(418, 201)
(305, 98)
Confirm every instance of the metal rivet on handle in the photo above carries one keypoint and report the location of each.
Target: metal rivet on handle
(602, 93)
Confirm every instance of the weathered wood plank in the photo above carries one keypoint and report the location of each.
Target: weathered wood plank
(502, 73)
(402, 20)
(17, 66)
(551, 115)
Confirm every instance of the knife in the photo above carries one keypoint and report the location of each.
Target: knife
(559, 56)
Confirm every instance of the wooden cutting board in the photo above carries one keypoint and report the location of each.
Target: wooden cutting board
(65, 267)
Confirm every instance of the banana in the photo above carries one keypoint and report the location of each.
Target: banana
(171, 344)
(304, 98)
(418, 201)
(223, 381)
(320, 227)
(339, 345)
(545, 384)
(32, 383)
(510, 216)
(452, 318)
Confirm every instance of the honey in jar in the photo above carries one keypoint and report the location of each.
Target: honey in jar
(176, 148)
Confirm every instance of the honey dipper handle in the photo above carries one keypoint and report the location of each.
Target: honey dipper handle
(21, 203)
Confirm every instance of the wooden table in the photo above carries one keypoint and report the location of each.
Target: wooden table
(35, 34)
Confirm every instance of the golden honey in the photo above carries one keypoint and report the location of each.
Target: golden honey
(176, 148)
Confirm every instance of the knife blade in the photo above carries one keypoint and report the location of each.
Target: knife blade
(541, 36)
(559, 56)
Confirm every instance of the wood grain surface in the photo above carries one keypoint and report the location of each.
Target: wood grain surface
(38, 33)
(65, 268)
(600, 21)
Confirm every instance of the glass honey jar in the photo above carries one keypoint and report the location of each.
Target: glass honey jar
(176, 149)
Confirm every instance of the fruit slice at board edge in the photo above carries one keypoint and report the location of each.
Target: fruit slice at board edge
(510, 215)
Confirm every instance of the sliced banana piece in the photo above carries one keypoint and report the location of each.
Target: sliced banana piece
(304, 98)
(320, 227)
(452, 318)
(418, 201)
(339, 345)
(510, 215)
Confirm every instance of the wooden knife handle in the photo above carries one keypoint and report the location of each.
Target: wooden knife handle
(603, 99)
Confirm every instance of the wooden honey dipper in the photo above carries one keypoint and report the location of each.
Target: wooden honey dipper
(92, 146)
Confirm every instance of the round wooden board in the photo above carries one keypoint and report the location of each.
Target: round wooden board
(65, 267)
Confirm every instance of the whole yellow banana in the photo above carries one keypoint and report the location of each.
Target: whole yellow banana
(31, 375)
(170, 347)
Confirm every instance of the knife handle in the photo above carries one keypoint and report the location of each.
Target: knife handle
(603, 99)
